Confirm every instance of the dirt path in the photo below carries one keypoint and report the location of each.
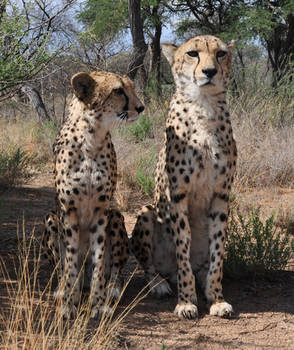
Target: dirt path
(264, 316)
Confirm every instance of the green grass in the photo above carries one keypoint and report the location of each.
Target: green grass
(145, 172)
(48, 130)
(139, 130)
(45, 135)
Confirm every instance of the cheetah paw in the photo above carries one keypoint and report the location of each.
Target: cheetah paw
(115, 292)
(188, 311)
(98, 312)
(221, 309)
(58, 294)
(160, 288)
(68, 312)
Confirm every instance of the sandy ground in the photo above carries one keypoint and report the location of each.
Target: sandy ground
(264, 309)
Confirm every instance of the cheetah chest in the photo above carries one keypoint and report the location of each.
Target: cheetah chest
(213, 169)
(86, 183)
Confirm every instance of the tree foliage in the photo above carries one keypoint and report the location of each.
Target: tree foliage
(25, 47)
(204, 17)
(105, 18)
(273, 23)
(269, 22)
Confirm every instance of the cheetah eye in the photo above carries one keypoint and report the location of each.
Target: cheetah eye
(119, 91)
(221, 54)
(193, 54)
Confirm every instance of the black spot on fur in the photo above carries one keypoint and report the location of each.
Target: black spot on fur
(223, 217)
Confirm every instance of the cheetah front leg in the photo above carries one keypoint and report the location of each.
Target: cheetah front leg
(97, 243)
(217, 230)
(187, 299)
(142, 247)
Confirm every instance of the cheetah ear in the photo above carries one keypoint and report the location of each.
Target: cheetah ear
(231, 45)
(169, 52)
(83, 86)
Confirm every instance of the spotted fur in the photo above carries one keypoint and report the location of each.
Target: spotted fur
(85, 180)
(183, 234)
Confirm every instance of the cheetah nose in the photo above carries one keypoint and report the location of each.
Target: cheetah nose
(140, 109)
(209, 72)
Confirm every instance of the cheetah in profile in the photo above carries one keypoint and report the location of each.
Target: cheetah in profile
(183, 234)
(85, 180)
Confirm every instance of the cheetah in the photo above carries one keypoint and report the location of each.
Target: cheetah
(183, 234)
(85, 180)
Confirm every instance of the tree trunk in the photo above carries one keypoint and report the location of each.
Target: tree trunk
(155, 46)
(139, 44)
(37, 103)
(2, 9)
(280, 47)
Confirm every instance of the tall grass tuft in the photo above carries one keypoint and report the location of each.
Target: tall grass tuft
(14, 167)
(31, 319)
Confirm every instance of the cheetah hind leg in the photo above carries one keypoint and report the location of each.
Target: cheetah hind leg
(117, 252)
(52, 247)
(141, 244)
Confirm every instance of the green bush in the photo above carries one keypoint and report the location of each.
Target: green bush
(13, 168)
(256, 247)
(145, 173)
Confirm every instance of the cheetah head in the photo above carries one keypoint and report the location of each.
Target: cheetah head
(107, 97)
(201, 65)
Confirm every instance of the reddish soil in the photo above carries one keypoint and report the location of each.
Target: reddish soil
(264, 308)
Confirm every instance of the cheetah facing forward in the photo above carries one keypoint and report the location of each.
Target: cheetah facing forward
(184, 233)
(85, 179)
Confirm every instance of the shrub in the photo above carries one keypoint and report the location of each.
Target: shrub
(14, 168)
(256, 247)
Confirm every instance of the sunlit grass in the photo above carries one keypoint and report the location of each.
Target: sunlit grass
(32, 320)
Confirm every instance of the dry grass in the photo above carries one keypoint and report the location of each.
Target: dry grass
(31, 320)
(137, 157)
(265, 141)
(263, 128)
(266, 158)
(34, 139)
